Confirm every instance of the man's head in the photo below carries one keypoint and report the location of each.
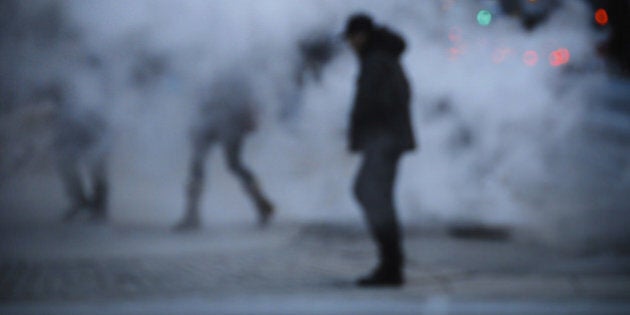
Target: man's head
(358, 30)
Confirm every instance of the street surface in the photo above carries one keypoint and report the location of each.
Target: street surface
(294, 269)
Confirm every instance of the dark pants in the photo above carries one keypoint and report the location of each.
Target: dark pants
(233, 152)
(374, 189)
(70, 171)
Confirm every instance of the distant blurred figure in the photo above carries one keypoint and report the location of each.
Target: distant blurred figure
(229, 114)
(80, 144)
(380, 129)
(314, 51)
(532, 13)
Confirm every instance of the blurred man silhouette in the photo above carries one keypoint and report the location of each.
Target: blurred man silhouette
(380, 129)
(80, 146)
(229, 114)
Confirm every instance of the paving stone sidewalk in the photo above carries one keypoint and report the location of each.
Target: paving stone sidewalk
(72, 264)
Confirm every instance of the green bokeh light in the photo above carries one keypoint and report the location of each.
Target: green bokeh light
(484, 17)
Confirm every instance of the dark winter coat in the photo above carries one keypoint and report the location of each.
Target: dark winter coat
(381, 104)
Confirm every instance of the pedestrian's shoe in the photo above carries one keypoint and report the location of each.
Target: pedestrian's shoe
(383, 277)
(98, 212)
(79, 207)
(187, 225)
(99, 203)
(265, 212)
(98, 217)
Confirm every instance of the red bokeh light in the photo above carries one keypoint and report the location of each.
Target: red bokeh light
(455, 35)
(447, 4)
(601, 17)
(501, 54)
(530, 58)
(455, 52)
(559, 57)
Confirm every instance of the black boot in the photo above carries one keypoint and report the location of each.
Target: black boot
(389, 272)
(265, 212)
(383, 276)
(187, 224)
(99, 202)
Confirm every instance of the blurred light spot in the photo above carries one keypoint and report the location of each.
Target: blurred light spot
(601, 17)
(500, 54)
(530, 58)
(455, 34)
(447, 4)
(559, 57)
(455, 52)
(484, 17)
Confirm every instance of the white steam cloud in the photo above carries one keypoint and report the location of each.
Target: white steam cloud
(501, 142)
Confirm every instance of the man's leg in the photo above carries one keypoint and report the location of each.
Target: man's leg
(233, 149)
(374, 189)
(194, 189)
(100, 190)
(71, 179)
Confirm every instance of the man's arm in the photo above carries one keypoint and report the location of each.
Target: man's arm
(370, 99)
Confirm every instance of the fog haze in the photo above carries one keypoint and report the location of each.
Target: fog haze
(500, 142)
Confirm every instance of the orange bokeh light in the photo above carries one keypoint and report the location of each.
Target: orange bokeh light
(601, 17)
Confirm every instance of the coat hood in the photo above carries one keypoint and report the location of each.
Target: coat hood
(385, 40)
